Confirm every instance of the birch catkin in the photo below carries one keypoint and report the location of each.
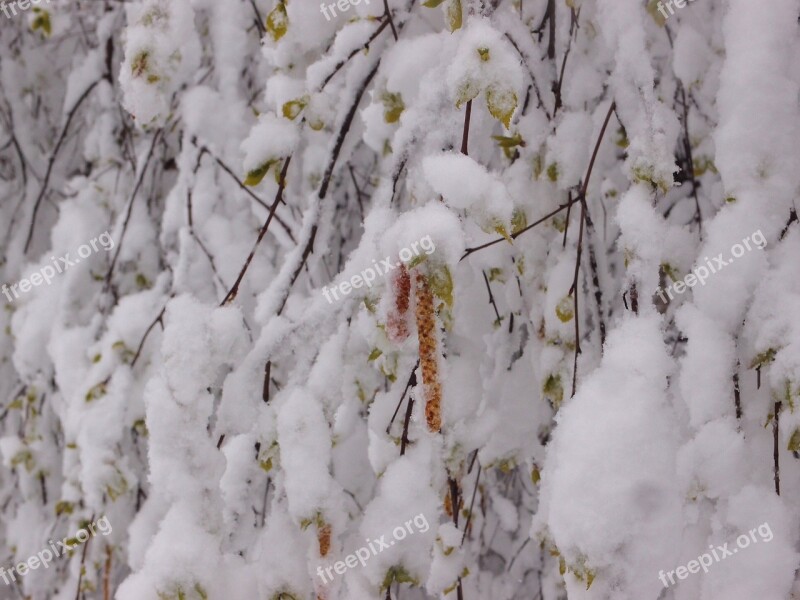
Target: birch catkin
(426, 330)
(397, 329)
(324, 539)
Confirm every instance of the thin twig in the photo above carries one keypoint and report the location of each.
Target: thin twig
(52, 159)
(342, 63)
(158, 319)
(388, 14)
(465, 134)
(471, 504)
(776, 447)
(412, 382)
(231, 295)
(521, 231)
(130, 205)
(574, 291)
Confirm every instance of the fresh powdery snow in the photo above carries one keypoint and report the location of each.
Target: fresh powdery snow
(400, 299)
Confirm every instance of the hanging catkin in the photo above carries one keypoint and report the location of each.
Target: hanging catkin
(426, 330)
(397, 327)
(324, 539)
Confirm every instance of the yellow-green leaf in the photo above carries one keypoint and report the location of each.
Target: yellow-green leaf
(294, 107)
(64, 507)
(467, 91)
(553, 390)
(255, 176)
(432, 3)
(42, 21)
(96, 392)
(278, 21)
(501, 229)
(374, 355)
(392, 107)
(502, 104)
(763, 358)
(484, 54)
(441, 283)
(565, 310)
(518, 221)
(794, 441)
(454, 15)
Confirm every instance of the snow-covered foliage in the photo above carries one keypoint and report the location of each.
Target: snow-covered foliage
(564, 430)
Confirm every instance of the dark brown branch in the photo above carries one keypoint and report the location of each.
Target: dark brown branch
(231, 295)
(130, 206)
(158, 319)
(388, 15)
(471, 504)
(491, 297)
(530, 74)
(265, 390)
(521, 231)
(465, 135)
(776, 447)
(52, 159)
(557, 87)
(406, 423)
(687, 148)
(82, 567)
(412, 382)
(342, 63)
(574, 290)
(250, 192)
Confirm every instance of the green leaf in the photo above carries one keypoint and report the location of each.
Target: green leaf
(441, 283)
(794, 441)
(502, 104)
(552, 172)
(397, 574)
(42, 21)
(505, 141)
(25, 458)
(565, 309)
(374, 355)
(255, 176)
(518, 221)
(64, 507)
(454, 15)
(278, 21)
(393, 107)
(763, 358)
(553, 390)
(416, 261)
(467, 91)
(294, 107)
(509, 144)
(96, 392)
(432, 3)
(501, 229)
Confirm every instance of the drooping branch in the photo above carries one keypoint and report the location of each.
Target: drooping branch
(53, 155)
